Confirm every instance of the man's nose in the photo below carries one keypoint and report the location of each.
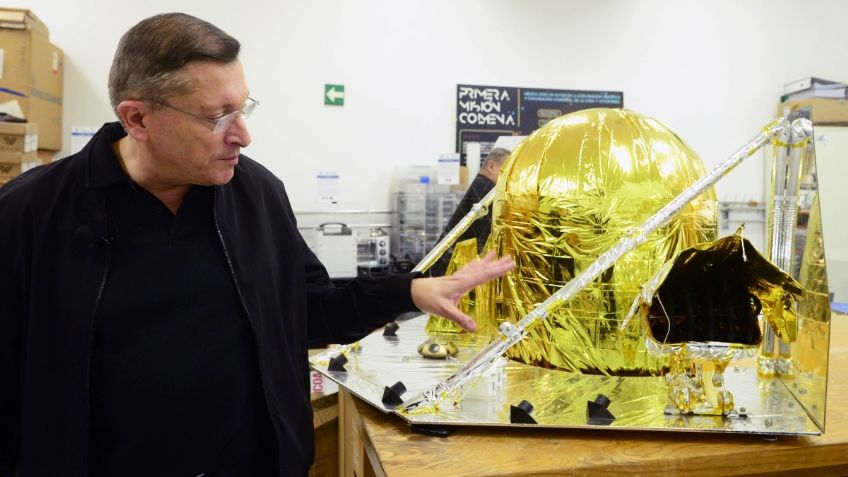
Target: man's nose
(237, 133)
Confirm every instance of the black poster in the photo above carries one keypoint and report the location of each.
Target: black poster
(485, 112)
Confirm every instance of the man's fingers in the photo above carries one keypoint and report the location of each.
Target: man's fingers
(460, 318)
(440, 296)
(485, 269)
(501, 266)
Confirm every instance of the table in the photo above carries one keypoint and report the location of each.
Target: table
(376, 444)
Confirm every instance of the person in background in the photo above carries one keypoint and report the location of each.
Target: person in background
(156, 298)
(480, 229)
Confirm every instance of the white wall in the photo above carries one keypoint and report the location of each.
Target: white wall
(711, 70)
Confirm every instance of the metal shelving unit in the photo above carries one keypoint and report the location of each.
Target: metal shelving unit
(421, 213)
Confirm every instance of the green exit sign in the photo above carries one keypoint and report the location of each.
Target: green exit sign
(334, 94)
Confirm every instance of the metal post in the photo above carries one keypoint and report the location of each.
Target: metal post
(790, 147)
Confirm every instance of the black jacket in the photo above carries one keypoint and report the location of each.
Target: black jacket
(55, 236)
(479, 229)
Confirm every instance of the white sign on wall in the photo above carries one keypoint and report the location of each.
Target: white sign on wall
(328, 186)
(80, 135)
(448, 170)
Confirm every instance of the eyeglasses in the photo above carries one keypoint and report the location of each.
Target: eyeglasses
(221, 123)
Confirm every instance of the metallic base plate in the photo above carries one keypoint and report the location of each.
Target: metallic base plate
(559, 399)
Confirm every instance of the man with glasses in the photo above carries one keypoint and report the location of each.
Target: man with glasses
(156, 298)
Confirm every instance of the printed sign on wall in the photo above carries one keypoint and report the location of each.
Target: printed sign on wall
(485, 112)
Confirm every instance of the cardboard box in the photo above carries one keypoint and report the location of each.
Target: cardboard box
(31, 72)
(463, 180)
(325, 422)
(22, 19)
(45, 156)
(822, 110)
(13, 164)
(18, 137)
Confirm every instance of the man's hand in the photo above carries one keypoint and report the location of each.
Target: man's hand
(439, 296)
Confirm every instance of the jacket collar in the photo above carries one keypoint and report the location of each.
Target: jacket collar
(102, 166)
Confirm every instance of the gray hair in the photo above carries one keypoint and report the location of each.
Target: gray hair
(150, 56)
(498, 155)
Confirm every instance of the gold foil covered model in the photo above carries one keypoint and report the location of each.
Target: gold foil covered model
(593, 207)
(567, 194)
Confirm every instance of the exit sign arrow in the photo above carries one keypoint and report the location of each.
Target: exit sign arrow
(334, 94)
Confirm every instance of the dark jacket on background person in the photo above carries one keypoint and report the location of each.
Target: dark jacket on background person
(55, 239)
(479, 229)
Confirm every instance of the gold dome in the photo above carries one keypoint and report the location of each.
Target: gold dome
(567, 194)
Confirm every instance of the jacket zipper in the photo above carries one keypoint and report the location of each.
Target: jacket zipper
(97, 301)
(243, 304)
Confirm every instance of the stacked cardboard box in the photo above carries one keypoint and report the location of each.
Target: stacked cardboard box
(31, 73)
(18, 149)
(824, 111)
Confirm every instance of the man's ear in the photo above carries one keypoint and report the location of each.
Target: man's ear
(134, 116)
(493, 168)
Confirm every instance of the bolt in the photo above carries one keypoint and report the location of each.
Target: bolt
(506, 328)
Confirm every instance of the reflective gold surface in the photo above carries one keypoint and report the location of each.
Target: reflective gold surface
(702, 308)
(567, 194)
(559, 398)
(464, 252)
(816, 304)
(809, 351)
(489, 384)
(709, 277)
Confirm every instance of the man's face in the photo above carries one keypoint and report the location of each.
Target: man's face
(184, 149)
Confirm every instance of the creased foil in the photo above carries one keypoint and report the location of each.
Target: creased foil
(464, 252)
(694, 296)
(479, 385)
(569, 193)
(512, 334)
(703, 310)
